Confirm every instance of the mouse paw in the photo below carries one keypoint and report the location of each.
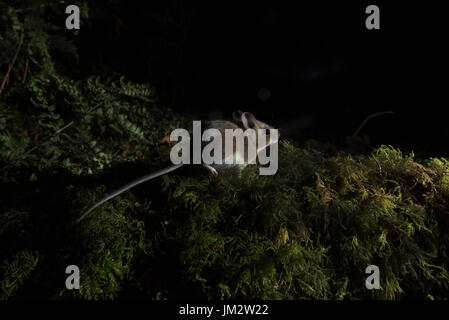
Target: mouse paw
(212, 170)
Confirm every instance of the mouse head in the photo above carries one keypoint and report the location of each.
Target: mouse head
(248, 121)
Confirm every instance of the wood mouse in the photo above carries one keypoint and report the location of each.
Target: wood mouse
(237, 160)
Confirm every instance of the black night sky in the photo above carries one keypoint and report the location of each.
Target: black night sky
(313, 70)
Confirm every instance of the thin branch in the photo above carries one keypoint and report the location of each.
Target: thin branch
(378, 164)
(12, 64)
(49, 137)
(44, 140)
(26, 71)
(57, 132)
(369, 117)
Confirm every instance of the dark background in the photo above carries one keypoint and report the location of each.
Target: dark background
(311, 68)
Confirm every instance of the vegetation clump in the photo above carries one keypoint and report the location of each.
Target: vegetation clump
(308, 232)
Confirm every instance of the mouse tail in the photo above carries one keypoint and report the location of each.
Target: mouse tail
(129, 186)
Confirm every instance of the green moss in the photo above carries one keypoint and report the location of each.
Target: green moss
(308, 232)
(14, 271)
(297, 235)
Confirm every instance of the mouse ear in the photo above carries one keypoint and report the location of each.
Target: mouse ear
(248, 120)
(237, 116)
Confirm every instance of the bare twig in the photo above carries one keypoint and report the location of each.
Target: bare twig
(44, 140)
(11, 65)
(378, 164)
(369, 117)
(57, 132)
(49, 137)
(26, 71)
